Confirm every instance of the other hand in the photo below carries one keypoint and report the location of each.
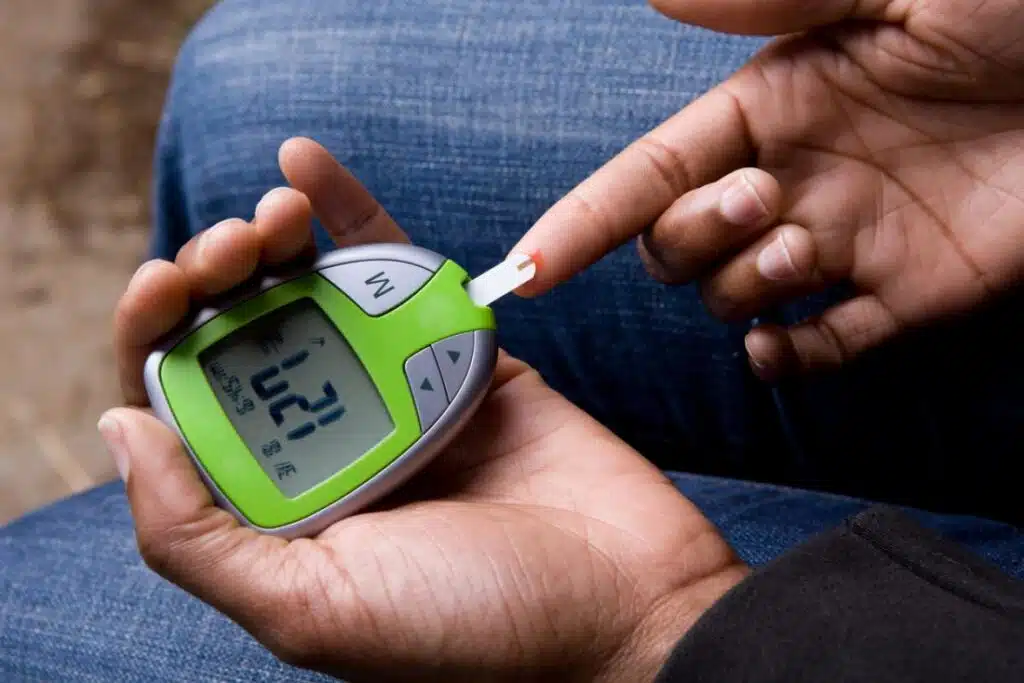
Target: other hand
(879, 144)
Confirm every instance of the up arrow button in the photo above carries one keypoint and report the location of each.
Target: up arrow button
(454, 356)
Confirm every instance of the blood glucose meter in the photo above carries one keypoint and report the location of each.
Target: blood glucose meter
(307, 397)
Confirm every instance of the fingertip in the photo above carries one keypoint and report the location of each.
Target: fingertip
(151, 273)
(551, 255)
(790, 255)
(301, 160)
(283, 224)
(292, 146)
(656, 267)
(537, 258)
(154, 300)
(752, 198)
(226, 255)
(769, 352)
(530, 288)
(270, 200)
(779, 267)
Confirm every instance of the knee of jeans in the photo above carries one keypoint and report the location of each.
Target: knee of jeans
(243, 52)
(249, 75)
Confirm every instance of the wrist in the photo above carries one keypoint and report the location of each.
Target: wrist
(647, 648)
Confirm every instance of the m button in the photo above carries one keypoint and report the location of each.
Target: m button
(378, 286)
(454, 356)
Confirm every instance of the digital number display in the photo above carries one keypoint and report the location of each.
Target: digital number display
(297, 395)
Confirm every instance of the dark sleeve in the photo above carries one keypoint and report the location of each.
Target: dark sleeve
(878, 600)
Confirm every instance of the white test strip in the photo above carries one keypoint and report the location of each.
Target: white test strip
(502, 279)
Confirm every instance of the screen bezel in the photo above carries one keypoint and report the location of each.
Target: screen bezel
(381, 343)
(323, 465)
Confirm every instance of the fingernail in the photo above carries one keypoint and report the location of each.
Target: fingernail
(756, 358)
(113, 435)
(752, 355)
(774, 262)
(740, 204)
(267, 200)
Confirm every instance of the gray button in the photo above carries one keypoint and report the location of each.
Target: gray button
(378, 286)
(453, 356)
(427, 387)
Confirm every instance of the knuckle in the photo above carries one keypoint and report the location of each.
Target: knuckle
(831, 350)
(295, 640)
(666, 163)
(658, 261)
(721, 300)
(155, 553)
(600, 235)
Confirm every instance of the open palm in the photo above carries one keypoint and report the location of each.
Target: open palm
(537, 546)
(887, 141)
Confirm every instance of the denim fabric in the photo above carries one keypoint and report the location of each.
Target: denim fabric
(78, 604)
(467, 119)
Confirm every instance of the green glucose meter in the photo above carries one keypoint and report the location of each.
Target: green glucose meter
(307, 397)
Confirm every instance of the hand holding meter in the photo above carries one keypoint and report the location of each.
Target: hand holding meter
(309, 397)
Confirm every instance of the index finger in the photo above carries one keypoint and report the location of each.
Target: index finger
(347, 210)
(701, 143)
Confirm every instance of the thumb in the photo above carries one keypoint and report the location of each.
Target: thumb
(826, 342)
(181, 535)
(750, 17)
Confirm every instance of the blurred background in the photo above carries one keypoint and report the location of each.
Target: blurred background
(82, 84)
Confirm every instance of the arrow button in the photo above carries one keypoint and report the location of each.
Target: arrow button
(454, 355)
(425, 381)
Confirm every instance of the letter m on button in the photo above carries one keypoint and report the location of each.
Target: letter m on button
(383, 284)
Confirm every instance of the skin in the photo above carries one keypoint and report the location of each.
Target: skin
(881, 142)
(537, 547)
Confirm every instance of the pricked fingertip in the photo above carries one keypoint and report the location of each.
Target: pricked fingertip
(538, 259)
(534, 260)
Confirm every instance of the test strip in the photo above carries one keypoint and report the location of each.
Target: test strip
(502, 279)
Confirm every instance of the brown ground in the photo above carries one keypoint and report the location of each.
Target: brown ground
(81, 86)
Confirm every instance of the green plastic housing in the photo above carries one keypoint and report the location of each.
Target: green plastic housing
(441, 308)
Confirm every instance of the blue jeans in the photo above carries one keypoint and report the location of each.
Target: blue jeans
(467, 119)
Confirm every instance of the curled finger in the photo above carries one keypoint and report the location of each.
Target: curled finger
(220, 257)
(710, 223)
(782, 265)
(283, 224)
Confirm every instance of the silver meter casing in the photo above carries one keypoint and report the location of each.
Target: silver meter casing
(432, 441)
